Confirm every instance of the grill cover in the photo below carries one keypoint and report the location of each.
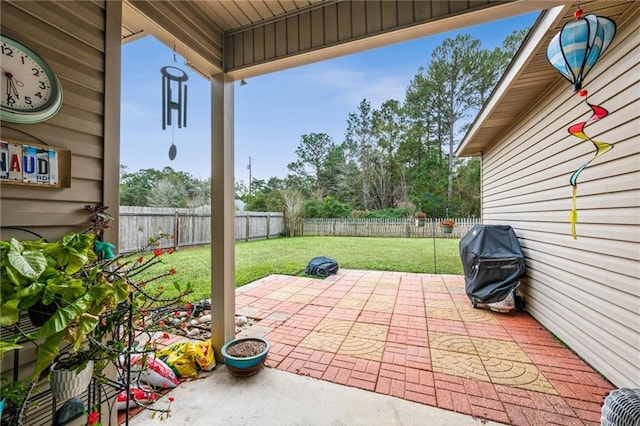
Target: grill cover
(492, 261)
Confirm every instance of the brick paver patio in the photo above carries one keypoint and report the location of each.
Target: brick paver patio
(415, 336)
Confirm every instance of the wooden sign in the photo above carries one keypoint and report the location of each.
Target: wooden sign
(26, 163)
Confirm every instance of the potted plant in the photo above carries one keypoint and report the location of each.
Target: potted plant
(70, 377)
(96, 296)
(65, 274)
(420, 218)
(245, 356)
(447, 226)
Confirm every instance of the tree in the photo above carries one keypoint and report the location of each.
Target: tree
(511, 45)
(240, 189)
(293, 203)
(166, 193)
(135, 187)
(169, 188)
(332, 174)
(265, 196)
(315, 152)
(466, 196)
(431, 177)
(452, 71)
(420, 118)
(492, 64)
(359, 142)
(327, 208)
(385, 171)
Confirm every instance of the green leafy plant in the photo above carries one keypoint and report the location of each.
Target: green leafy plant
(85, 291)
(15, 394)
(97, 301)
(65, 274)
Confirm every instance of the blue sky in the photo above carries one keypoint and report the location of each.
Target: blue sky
(274, 110)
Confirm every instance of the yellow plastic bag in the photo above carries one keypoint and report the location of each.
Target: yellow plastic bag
(205, 357)
(185, 358)
(181, 358)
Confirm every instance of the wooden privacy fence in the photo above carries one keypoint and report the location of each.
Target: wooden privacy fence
(190, 227)
(373, 227)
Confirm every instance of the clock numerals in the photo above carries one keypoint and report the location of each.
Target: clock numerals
(36, 72)
(8, 51)
(27, 100)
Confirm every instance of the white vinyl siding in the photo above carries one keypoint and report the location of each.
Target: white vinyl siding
(585, 291)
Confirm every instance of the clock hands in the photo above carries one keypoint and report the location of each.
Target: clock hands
(12, 87)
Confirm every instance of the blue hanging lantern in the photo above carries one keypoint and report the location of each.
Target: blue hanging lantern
(579, 45)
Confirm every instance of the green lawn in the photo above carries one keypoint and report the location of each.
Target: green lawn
(289, 256)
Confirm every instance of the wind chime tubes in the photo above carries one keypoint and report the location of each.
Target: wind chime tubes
(172, 76)
(173, 79)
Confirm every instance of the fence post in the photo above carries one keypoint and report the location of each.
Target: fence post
(246, 228)
(268, 225)
(176, 231)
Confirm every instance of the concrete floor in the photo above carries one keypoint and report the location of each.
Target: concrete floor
(274, 397)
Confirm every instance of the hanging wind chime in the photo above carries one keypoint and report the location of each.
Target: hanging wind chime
(174, 100)
(573, 52)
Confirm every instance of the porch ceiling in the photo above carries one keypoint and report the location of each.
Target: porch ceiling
(247, 38)
(530, 75)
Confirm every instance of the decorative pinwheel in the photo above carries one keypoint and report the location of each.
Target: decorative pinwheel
(573, 52)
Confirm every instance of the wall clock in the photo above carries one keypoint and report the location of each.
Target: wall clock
(30, 92)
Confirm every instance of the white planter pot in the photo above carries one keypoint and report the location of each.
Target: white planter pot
(67, 384)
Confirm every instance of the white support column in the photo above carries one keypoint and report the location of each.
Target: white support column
(222, 213)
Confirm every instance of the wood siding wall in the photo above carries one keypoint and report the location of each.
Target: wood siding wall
(70, 36)
(585, 291)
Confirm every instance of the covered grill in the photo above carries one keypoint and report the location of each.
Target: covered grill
(493, 263)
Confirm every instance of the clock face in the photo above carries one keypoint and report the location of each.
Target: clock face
(29, 91)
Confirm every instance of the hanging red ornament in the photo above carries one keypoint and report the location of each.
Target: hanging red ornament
(577, 14)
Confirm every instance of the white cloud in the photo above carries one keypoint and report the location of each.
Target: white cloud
(355, 85)
(378, 90)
